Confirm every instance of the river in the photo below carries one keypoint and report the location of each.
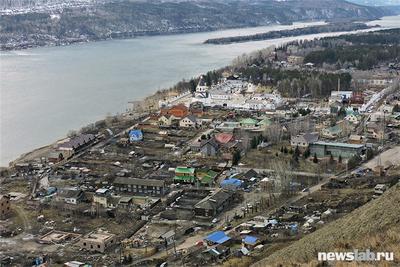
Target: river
(45, 92)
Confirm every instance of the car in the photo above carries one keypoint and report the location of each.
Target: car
(305, 190)
(215, 220)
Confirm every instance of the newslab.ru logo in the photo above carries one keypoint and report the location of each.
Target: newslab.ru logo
(356, 255)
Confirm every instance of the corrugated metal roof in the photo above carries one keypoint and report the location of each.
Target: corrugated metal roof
(322, 143)
(218, 237)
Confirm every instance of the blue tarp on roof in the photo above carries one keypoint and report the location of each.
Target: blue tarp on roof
(251, 240)
(218, 237)
(135, 135)
(232, 182)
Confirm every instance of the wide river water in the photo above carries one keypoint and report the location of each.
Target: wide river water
(45, 92)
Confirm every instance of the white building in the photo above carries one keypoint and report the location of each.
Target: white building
(339, 96)
(201, 88)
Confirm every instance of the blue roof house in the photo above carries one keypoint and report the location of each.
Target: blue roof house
(251, 241)
(135, 135)
(232, 183)
(218, 237)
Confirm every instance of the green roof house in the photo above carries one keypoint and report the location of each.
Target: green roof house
(184, 175)
(248, 123)
(332, 132)
(264, 123)
(206, 177)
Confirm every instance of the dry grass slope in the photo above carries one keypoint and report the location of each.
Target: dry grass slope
(375, 225)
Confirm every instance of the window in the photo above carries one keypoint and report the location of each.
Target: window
(98, 246)
(84, 244)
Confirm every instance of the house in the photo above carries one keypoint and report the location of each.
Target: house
(217, 238)
(264, 123)
(295, 60)
(377, 131)
(98, 242)
(166, 120)
(195, 145)
(248, 123)
(140, 186)
(5, 206)
(75, 143)
(126, 203)
(357, 98)
(101, 197)
(217, 252)
(214, 204)
(302, 141)
(340, 96)
(135, 135)
(250, 242)
(352, 118)
(71, 196)
(58, 237)
(209, 148)
(339, 130)
(332, 132)
(189, 121)
(197, 108)
(249, 175)
(344, 150)
(223, 138)
(168, 238)
(184, 175)
(228, 126)
(178, 111)
(231, 184)
(219, 94)
(206, 177)
(356, 139)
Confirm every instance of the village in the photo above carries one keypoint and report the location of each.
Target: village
(223, 174)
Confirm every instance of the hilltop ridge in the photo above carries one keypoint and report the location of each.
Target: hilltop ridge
(373, 226)
(102, 20)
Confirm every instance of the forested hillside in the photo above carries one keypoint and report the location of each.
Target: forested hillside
(126, 19)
